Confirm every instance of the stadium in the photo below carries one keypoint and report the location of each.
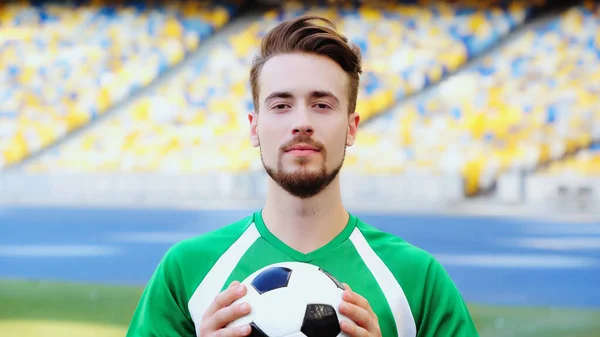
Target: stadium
(123, 129)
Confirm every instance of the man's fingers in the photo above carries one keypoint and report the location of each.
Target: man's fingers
(359, 315)
(225, 298)
(353, 330)
(354, 298)
(358, 309)
(237, 331)
(229, 314)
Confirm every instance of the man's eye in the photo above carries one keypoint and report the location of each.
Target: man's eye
(280, 106)
(322, 106)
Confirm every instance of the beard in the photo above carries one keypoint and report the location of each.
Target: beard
(303, 184)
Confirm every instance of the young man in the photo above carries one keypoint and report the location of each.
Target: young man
(304, 86)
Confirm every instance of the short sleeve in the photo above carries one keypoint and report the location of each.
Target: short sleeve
(444, 312)
(162, 309)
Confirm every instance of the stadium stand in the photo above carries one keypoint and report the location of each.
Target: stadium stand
(66, 64)
(584, 163)
(570, 184)
(530, 102)
(194, 123)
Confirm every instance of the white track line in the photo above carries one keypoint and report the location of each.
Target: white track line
(527, 261)
(57, 250)
(152, 237)
(563, 244)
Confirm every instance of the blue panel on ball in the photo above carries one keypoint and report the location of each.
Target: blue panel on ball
(271, 279)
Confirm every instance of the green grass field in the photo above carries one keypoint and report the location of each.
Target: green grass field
(29, 308)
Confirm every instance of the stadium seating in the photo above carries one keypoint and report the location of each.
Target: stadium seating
(194, 123)
(532, 101)
(585, 163)
(63, 65)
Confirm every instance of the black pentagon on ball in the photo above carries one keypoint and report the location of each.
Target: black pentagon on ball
(320, 320)
(337, 283)
(256, 331)
(271, 279)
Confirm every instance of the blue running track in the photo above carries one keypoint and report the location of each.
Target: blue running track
(493, 260)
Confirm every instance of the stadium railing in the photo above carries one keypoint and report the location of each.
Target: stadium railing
(185, 190)
(573, 182)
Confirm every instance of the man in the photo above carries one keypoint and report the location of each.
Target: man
(304, 86)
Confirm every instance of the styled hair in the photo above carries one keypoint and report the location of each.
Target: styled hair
(303, 35)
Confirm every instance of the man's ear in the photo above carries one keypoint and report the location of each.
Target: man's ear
(353, 121)
(253, 119)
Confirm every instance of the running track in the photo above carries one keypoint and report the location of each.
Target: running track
(492, 260)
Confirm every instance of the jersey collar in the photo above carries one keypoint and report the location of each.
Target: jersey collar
(297, 255)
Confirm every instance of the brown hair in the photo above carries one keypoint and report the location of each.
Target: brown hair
(302, 35)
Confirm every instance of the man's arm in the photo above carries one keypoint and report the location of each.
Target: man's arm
(162, 309)
(444, 312)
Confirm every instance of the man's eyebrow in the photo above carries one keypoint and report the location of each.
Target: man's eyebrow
(279, 94)
(313, 94)
(324, 93)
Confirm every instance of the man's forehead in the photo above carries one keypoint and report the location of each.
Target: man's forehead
(302, 75)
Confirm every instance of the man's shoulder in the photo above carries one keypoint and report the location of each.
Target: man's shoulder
(395, 251)
(212, 243)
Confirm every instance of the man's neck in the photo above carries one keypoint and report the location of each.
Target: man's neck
(305, 224)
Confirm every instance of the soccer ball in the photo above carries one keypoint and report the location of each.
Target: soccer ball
(292, 299)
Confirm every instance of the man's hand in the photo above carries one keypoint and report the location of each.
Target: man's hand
(357, 308)
(221, 312)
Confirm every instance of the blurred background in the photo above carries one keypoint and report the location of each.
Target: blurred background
(123, 129)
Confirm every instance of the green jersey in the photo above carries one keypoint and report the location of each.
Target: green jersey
(407, 288)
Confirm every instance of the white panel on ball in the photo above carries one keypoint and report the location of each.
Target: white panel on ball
(280, 322)
(297, 334)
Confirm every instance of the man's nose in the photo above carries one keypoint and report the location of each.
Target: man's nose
(302, 123)
(303, 130)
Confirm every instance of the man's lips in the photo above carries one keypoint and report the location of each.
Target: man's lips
(302, 147)
(302, 150)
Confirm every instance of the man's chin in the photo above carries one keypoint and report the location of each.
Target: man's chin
(304, 170)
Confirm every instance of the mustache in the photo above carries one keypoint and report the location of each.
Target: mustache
(302, 139)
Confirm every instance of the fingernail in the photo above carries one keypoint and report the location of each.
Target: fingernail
(344, 325)
(245, 329)
(233, 284)
(240, 289)
(347, 295)
(245, 308)
(344, 306)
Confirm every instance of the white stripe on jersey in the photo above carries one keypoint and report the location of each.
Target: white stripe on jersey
(392, 290)
(213, 282)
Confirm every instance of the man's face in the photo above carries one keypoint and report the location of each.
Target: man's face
(303, 126)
